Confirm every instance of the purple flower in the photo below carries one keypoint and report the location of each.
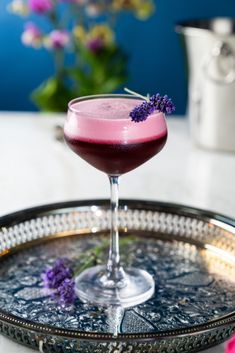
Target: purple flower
(58, 279)
(40, 6)
(32, 36)
(66, 292)
(95, 45)
(156, 103)
(141, 112)
(55, 275)
(162, 104)
(58, 39)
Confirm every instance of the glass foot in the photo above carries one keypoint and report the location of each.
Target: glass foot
(139, 287)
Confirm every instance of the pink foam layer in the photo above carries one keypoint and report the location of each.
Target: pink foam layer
(107, 120)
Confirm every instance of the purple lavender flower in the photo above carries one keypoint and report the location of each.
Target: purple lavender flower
(40, 6)
(156, 103)
(58, 279)
(55, 275)
(162, 103)
(66, 292)
(141, 112)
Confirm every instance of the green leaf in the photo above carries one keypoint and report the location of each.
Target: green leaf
(102, 72)
(52, 95)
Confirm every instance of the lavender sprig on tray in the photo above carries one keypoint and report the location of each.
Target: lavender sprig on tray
(151, 104)
(59, 280)
(65, 293)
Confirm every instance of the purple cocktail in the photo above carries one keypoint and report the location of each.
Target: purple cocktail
(99, 130)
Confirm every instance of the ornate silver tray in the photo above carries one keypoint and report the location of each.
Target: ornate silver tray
(191, 254)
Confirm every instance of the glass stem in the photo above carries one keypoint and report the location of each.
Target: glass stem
(115, 272)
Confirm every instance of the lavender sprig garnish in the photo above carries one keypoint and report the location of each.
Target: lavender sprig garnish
(141, 112)
(162, 104)
(151, 104)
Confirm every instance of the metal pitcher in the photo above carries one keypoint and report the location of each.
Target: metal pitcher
(210, 51)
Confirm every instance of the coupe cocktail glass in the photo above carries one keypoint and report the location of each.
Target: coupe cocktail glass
(99, 130)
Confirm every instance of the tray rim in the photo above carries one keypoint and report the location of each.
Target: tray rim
(177, 208)
(183, 210)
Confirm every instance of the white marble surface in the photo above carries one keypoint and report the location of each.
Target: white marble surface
(36, 169)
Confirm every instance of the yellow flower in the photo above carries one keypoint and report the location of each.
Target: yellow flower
(103, 32)
(143, 8)
(80, 34)
(19, 7)
(99, 35)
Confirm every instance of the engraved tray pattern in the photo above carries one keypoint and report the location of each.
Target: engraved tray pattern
(191, 254)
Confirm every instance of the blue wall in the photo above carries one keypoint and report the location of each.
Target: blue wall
(156, 56)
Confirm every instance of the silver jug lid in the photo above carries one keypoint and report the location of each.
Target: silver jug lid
(221, 26)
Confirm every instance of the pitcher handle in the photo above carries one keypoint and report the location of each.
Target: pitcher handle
(220, 50)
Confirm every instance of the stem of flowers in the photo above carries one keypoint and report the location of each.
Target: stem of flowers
(133, 93)
(95, 255)
(52, 16)
(59, 61)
